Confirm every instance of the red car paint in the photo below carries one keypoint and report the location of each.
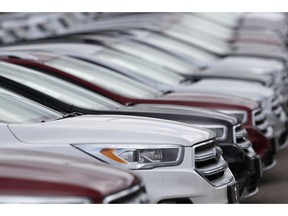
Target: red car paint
(30, 173)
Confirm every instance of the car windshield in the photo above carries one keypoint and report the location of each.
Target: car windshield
(150, 70)
(196, 38)
(16, 109)
(153, 55)
(56, 88)
(107, 79)
(179, 48)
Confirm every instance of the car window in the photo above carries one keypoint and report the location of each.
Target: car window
(141, 67)
(14, 109)
(56, 88)
(153, 55)
(107, 79)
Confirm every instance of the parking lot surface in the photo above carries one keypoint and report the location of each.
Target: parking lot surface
(273, 187)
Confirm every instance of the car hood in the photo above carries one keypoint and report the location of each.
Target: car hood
(183, 114)
(110, 129)
(236, 88)
(90, 178)
(208, 97)
(59, 46)
(237, 73)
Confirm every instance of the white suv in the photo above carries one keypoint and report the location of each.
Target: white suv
(178, 163)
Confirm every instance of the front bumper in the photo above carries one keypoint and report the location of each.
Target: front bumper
(245, 167)
(184, 182)
(168, 184)
(263, 146)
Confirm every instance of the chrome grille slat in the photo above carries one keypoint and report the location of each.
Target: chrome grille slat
(245, 144)
(241, 133)
(260, 117)
(218, 183)
(240, 137)
(278, 110)
(276, 107)
(275, 102)
(263, 126)
(212, 169)
(205, 155)
(260, 121)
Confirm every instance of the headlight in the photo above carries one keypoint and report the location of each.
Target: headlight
(242, 115)
(219, 130)
(135, 156)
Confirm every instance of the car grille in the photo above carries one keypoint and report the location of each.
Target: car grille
(134, 195)
(240, 137)
(277, 108)
(261, 122)
(210, 164)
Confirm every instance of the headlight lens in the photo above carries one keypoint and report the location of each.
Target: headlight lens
(135, 156)
(219, 130)
(242, 115)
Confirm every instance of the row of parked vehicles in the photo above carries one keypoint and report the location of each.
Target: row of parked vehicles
(140, 107)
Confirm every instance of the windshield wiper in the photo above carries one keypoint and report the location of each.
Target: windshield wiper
(73, 114)
(70, 115)
(67, 115)
(167, 92)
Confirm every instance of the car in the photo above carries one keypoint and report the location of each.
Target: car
(29, 177)
(153, 148)
(66, 97)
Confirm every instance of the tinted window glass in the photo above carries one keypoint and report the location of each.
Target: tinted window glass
(56, 88)
(105, 78)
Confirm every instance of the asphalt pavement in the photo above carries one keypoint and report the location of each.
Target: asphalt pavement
(273, 186)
